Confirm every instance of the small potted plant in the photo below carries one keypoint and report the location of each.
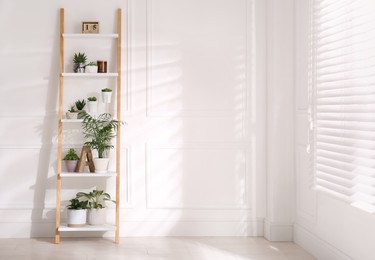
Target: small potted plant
(96, 200)
(80, 105)
(72, 113)
(106, 95)
(91, 67)
(71, 160)
(75, 111)
(79, 61)
(77, 212)
(92, 105)
(99, 131)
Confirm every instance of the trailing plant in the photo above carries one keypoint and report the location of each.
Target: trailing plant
(96, 198)
(71, 155)
(99, 131)
(91, 99)
(79, 58)
(76, 204)
(106, 90)
(80, 104)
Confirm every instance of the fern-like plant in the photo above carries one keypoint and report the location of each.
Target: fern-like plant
(99, 131)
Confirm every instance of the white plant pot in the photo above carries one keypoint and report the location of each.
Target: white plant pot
(71, 115)
(93, 107)
(97, 216)
(71, 165)
(77, 217)
(101, 165)
(107, 97)
(79, 68)
(91, 69)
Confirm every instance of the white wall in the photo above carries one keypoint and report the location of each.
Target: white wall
(326, 227)
(193, 152)
(280, 184)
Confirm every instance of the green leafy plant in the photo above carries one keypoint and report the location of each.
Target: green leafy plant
(79, 58)
(99, 131)
(92, 63)
(80, 104)
(91, 99)
(96, 198)
(106, 90)
(72, 109)
(71, 155)
(77, 204)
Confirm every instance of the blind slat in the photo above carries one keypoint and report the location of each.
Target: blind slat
(343, 99)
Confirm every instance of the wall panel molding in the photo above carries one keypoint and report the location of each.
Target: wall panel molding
(181, 150)
(241, 105)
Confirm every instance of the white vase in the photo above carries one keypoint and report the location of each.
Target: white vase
(93, 107)
(97, 216)
(106, 96)
(101, 165)
(91, 69)
(77, 217)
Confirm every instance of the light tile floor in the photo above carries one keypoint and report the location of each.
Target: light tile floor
(152, 248)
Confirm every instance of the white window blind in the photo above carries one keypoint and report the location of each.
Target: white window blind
(343, 99)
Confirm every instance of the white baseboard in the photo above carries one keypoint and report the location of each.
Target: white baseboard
(142, 228)
(277, 231)
(317, 247)
(193, 228)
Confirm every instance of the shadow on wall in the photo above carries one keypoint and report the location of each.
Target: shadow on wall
(196, 176)
(40, 213)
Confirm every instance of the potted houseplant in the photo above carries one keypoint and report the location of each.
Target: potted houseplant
(106, 95)
(99, 132)
(71, 160)
(79, 61)
(92, 105)
(96, 200)
(72, 113)
(80, 105)
(77, 212)
(91, 67)
(76, 110)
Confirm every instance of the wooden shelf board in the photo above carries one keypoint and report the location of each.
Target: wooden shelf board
(65, 228)
(90, 35)
(89, 75)
(87, 174)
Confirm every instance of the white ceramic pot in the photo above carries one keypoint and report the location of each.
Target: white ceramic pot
(106, 96)
(71, 115)
(71, 165)
(79, 68)
(77, 217)
(101, 165)
(93, 107)
(97, 216)
(91, 69)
